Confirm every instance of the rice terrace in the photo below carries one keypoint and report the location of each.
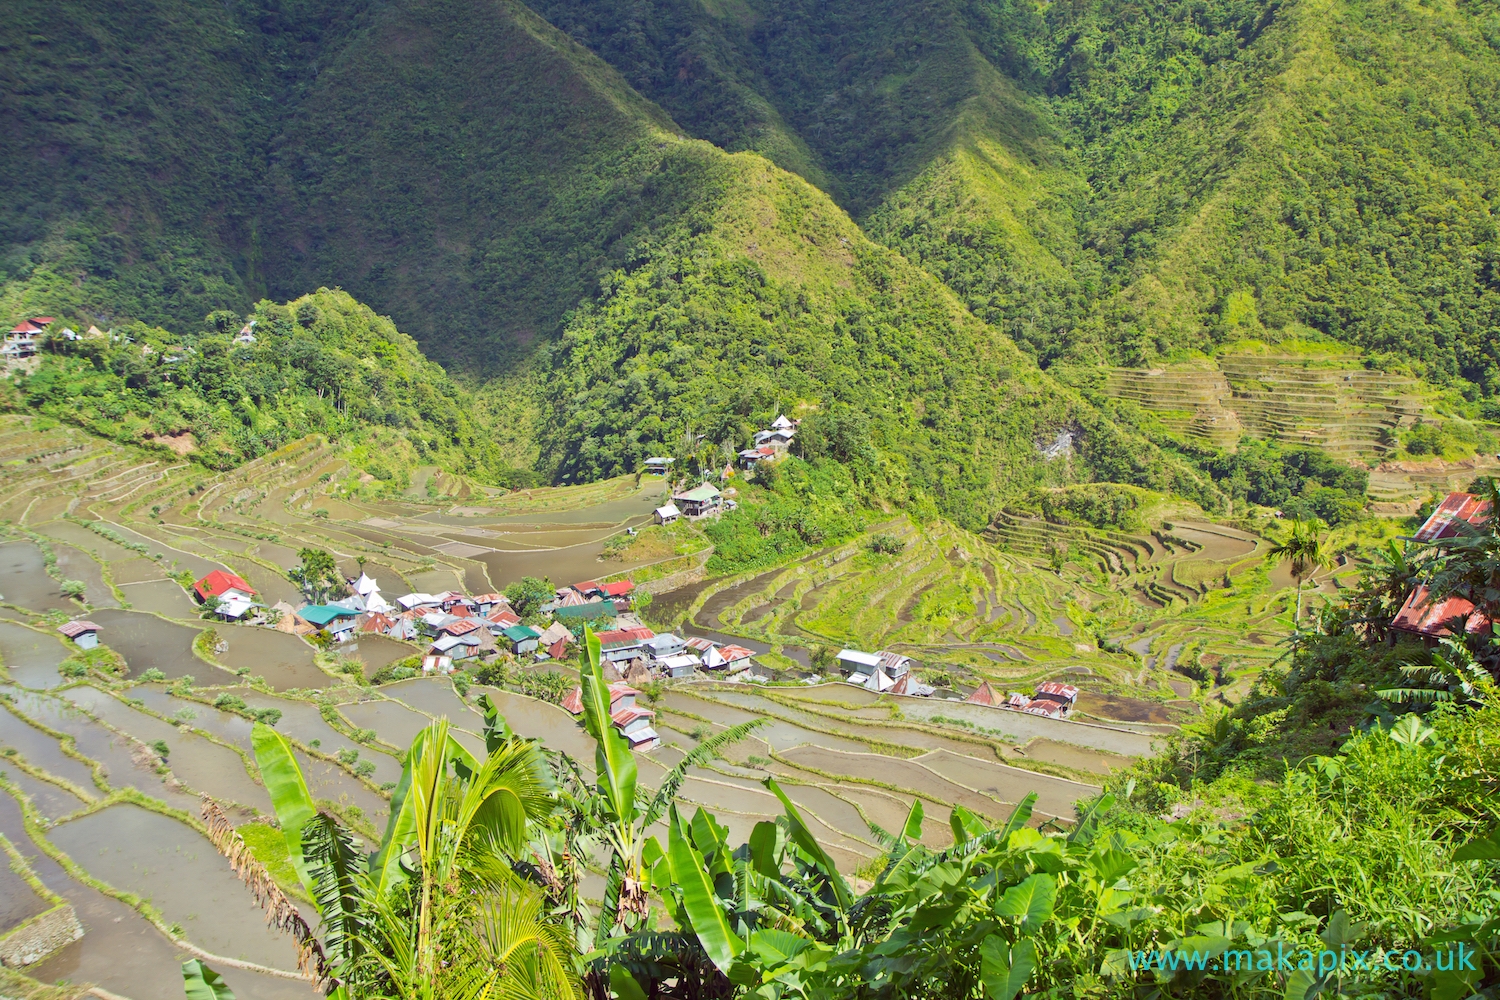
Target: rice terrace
(108, 749)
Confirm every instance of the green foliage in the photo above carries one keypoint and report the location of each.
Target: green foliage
(882, 544)
(528, 594)
(546, 685)
(230, 702)
(349, 374)
(1100, 505)
(1302, 482)
(805, 505)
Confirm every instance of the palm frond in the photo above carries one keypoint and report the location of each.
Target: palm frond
(703, 752)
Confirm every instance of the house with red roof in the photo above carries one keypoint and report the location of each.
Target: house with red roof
(85, 634)
(224, 585)
(1421, 615)
(624, 643)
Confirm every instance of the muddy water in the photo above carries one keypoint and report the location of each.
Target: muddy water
(30, 656)
(860, 730)
(1219, 543)
(199, 763)
(160, 597)
(905, 773)
(49, 799)
(779, 735)
(670, 606)
(1022, 727)
(226, 726)
(560, 565)
(642, 502)
(394, 724)
(302, 721)
(1055, 796)
(1075, 757)
(708, 616)
(75, 565)
(180, 872)
(24, 579)
(889, 810)
(147, 641)
(18, 901)
(83, 538)
(539, 720)
(435, 696)
(380, 651)
(326, 780)
(41, 750)
(120, 950)
(285, 661)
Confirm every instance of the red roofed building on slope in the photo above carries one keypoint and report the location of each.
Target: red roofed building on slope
(220, 582)
(1432, 620)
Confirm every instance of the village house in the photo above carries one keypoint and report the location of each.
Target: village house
(699, 501)
(1052, 699)
(501, 619)
(437, 664)
(85, 634)
(707, 652)
(620, 696)
(658, 466)
(624, 644)
(522, 638)
(412, 602)
(634, 723)
(736, 658)
(1431, 620)
(21, 342)
(985, 695)
(667, 513)
(459, 647)
(751, 457)
(665, 644)
(246, 334)
(336, 621)
(223, 585)
(678, 665)
(578, 614)
(484, 604)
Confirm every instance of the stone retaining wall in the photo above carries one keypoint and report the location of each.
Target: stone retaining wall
(40, 936)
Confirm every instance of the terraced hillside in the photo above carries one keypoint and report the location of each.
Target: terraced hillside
(1151, 625)
(1331, 403)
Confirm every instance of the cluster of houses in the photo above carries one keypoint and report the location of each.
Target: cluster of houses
(1052, 699)
(638, 656)
(457, 627)
(771, 442)
(883, 672)
(706, 499)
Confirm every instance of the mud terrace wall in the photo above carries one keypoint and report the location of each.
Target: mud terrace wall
(35, 940)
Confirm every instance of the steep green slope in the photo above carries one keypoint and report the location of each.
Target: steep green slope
(1118, 181)
(135, 138)
(770, 298)
(472, 171)
(323, 363)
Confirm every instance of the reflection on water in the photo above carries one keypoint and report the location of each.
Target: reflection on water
(24, 579)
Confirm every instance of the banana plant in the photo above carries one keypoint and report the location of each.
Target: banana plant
(613, 814)
(440, 883)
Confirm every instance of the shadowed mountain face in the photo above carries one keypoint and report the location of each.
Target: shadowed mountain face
(1099, 181)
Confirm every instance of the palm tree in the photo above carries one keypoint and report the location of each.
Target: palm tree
(442, 883)
(1305, 551)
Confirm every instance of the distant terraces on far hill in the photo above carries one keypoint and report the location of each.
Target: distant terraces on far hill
(1348, 411)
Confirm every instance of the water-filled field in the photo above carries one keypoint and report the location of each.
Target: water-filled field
(1126, 617)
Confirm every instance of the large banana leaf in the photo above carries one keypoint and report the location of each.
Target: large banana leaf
(202, 983)
(400, 827)
(613, 761)
(765, 849)
(288, 790)
(911, 830)
(803, 838)
(690, 875)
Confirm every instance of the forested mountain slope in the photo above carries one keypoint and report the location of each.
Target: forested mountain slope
(1117, 180)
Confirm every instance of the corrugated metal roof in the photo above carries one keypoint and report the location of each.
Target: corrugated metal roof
(1456, 508)
(1420, 615)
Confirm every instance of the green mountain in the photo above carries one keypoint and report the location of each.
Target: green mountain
(641, 219)
(1121, 181)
